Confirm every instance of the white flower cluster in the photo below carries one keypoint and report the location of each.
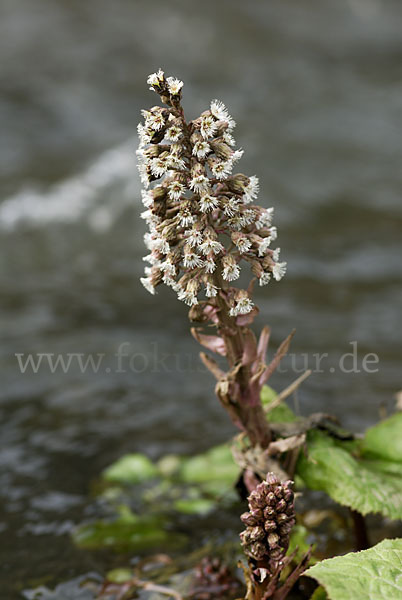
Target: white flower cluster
(201, 217)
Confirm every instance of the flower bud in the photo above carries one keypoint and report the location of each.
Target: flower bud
(245, 537)
(157, 136)
(222, 150)
(256, 533)
(269, 511)
(276, 554)
(153, 151)
(257, 513)
(281, 505)
(169, 232)
(256, 268)
(197, 314)
(159, 193)
(156, 276)
(272, 479)
(271, 497)
(248, 519)
(196, 137)
(221, 127)
(257, 550)
(286, 528)
(270, 526)
(159, 208)
(273, 539)
(206, 114)
(255, 500)
(282, 518)
(269, 521)
(237, 183)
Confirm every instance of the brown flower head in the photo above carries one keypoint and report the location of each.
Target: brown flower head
(269, 521)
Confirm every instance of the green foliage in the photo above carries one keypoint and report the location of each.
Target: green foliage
(373, 574)
(131, 468)
(364, 476)
(169, 465)
(299, 541)
(281, 413)
(384, 440)
(319, 594)
(190, 486)
(129, 532)
(215, 470)
(361, 484)
(268, 395)
(194, 506)
(120, 575)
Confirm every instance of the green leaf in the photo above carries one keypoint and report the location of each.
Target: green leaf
(319, 594)
(214, 466)
(194, 506)
(299, 541)
(169, 464)
(281, 413)
(268, 395)
(363, 485)
(126, 515)
(385, 439)
(131, 468)
(385, 466)
(374, 574)
(143, 533)
(120, 575)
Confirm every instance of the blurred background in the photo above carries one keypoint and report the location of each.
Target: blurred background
(316, 89)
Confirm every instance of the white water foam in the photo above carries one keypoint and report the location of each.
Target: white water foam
(80, 196)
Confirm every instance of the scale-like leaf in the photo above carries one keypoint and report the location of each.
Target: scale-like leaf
(374, 574)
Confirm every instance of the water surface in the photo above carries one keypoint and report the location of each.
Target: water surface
(316, 90)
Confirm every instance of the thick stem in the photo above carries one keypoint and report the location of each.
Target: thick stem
(249, 410)
(362, 541)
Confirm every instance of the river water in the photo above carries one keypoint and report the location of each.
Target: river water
(316, 89)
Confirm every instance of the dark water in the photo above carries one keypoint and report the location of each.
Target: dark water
(316, 88)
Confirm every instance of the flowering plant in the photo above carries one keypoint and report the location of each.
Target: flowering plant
(203, 225)
(201, 219)
(265, 540)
